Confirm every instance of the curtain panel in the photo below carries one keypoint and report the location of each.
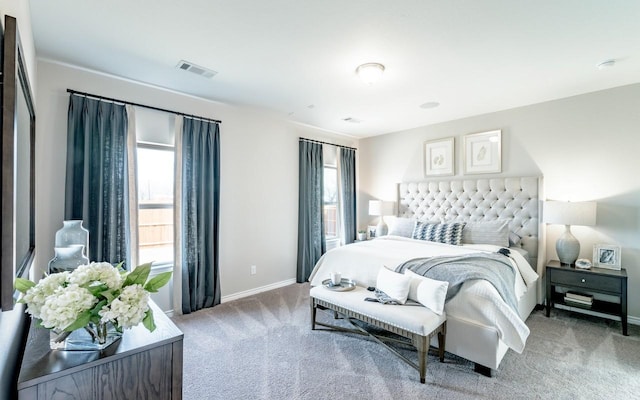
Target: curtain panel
(311, 238)
(348, 191)
(96, 189)
(199, 213)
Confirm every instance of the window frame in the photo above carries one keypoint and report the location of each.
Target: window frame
(159, 147)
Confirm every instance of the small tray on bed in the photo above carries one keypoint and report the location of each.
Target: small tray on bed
(344, 286)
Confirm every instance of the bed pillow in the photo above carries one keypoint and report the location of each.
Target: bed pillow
(395, 285)
(428, 292)
(486, 232)
(514, 239)
(449, 233)
(402, 227)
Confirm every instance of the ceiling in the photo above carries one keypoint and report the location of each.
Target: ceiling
(297, 58)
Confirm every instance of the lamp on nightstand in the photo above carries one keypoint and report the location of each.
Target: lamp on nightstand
(567, 214)
(381, 208)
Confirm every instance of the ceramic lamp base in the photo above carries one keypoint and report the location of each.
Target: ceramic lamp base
(567, 247)
(382, 229)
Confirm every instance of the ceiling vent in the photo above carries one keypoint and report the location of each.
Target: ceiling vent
(196, 69)
(352, 120)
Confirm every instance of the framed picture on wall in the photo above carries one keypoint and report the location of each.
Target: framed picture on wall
(483, 152)
(439, 157)
(606, 256)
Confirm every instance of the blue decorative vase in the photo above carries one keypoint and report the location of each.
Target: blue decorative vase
(72, 233)
(67, 258)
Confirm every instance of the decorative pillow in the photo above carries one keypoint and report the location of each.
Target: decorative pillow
(402, 227)
(395, 285)
(514, 240)
(486, 232)
(428, 292)
(450, 233)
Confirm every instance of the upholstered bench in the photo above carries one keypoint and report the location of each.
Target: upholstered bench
(416, 323)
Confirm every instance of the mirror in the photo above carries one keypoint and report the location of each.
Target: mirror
(18, 166)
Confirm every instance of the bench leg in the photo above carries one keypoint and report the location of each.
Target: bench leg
(422, 359)
(313, 314)
(441, 344)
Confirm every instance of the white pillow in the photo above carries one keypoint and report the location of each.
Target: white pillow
(428, 292)
(402, 227)
(486, 232)
(395, 285)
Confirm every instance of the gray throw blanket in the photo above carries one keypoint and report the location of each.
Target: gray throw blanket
(492, 267)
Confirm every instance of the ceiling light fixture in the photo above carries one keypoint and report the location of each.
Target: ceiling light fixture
(606, 64)
(430, 104)
(370, 73)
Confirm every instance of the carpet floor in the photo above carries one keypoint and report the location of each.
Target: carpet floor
(262, 347)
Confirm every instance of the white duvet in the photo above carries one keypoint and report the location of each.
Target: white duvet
(478, 301)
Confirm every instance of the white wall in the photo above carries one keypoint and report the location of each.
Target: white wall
(586, 147)
(259, 173)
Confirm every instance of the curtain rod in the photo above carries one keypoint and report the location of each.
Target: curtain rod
(141, 105)
(332, 144)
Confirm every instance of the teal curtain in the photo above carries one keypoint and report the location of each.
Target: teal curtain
(96, 177)
(311, 241)
(200, 214)
(348, 184)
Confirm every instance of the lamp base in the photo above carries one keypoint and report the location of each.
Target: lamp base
(567, 247)
(381, 229)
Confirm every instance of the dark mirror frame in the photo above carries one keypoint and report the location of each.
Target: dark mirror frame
(14, 78)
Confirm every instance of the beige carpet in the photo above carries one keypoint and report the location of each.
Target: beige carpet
(262, 347)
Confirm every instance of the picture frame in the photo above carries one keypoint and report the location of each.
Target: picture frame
(371, 231)
(439, 157)
(483, 152)
(607, 256)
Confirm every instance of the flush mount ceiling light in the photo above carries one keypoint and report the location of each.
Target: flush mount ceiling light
(430, 104)
(606, 64)
(370, 73)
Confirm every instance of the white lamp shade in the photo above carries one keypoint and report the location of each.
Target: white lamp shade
(379, 207)
(570, 213)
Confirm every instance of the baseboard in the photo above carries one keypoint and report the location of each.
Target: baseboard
(257, 290)
(633, 320)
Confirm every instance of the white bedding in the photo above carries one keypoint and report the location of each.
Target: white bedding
(478, 301)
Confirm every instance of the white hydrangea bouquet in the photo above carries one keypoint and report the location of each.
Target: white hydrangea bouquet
(91, 297)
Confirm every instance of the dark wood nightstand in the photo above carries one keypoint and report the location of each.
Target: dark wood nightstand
(594, 280)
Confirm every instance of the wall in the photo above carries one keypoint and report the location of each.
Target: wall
(259, 174)
(12, 323)
(586, 147)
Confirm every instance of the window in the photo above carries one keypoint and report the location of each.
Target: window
(330, 202)
(155, 203)
(331, 199)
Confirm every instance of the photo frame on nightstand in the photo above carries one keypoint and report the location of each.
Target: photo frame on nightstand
(371, 231)
(607, 256)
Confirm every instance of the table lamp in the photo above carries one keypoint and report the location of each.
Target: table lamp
(567, 214)
(381, 208)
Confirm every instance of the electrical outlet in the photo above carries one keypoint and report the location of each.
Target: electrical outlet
(253, 270)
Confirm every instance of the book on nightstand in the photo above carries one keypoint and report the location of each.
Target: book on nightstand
(578, 300)
(579, 296)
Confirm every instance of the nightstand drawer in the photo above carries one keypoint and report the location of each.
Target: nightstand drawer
(586, 280)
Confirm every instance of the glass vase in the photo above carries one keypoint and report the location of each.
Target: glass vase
(91, 337)
(73, 232)
(67, 258)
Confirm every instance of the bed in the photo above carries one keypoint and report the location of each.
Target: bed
(480, 326)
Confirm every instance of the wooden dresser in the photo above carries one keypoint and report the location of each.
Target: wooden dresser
(141, 365)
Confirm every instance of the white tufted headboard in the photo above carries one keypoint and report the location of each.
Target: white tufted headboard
(512, 199)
